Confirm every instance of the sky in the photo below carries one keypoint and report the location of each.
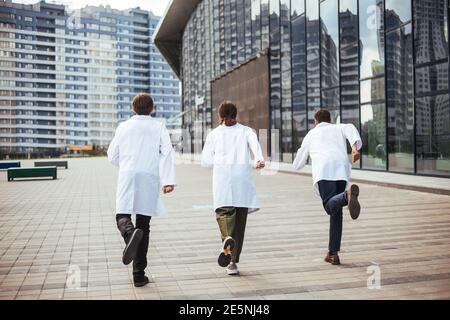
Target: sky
(157, 6)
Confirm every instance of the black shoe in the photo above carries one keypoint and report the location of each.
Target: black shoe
(225, 256)
(141, 281)
(131, 248)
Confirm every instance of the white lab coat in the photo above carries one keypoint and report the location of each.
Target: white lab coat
(327, 146)
(227, 150)
(142, 150)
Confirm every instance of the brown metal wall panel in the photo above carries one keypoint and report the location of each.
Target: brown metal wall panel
(248, 87)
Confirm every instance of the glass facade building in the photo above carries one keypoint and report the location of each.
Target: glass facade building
(381, 65)
(68, 77)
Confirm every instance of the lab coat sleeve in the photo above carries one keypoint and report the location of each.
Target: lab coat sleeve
(302, 155)
(352, 135)
(113, 149)
(166, 160)
(255, 147)
(208, 153)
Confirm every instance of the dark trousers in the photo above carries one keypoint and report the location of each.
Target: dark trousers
(126, 228)
(232, 222)
(334, 199)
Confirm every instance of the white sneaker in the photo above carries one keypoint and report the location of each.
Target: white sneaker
(232, 269)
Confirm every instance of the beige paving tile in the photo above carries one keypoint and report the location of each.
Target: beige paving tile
(407, 236)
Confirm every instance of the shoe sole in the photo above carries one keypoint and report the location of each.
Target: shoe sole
(130, 250)
(333, 263)
(233, 272)
(225, 256)
(141, 284)
(353, 204)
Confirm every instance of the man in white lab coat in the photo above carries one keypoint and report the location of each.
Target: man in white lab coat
(142, 150)
(326, 145)
(228, 150)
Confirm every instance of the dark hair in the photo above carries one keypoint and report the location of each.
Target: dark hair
(143, 104)
(323, 115)
(227, 111)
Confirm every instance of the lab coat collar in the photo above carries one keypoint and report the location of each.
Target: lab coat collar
(140, 117)
(323, 124)
(233, 126)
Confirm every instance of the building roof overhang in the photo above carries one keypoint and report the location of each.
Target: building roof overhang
(169, 33)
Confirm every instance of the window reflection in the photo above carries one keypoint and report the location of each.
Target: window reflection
(323, 54)
(256, 25)
(430, 30)
(371, 28)
(432, 78)
(298, 50)
(286, 78)
(349, 65)
(374, 136)
(313, 59)
(265, 24)
(372, 90)
(298, 38)
(400, 99)
(398, 12)
(248, 28)
(240, 29)
(275, 64)
(330, 43)
(350, 85)
(330, 101)
(433, 135)
(348, 17)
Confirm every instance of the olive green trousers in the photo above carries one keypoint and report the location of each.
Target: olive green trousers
(232, 223)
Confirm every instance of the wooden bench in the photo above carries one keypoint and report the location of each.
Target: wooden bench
(52, 163)
(40, 172)
(9, 164)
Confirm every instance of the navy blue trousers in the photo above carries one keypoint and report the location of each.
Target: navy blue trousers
(334, 199)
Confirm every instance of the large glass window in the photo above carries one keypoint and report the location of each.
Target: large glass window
(432, 79)
(432, 97)
(349, 61)
(398, 12)
(433, 135)
(248, 28)
(372, 84)
(286, 79)
(275, 64)
(265, 37)
(312, 59)
(228, 33)
(430, 30)
(371, 29)
(240, 29)
(381, 65)
(329, 25)
(298, 54)
(234, 31)
(400, 99)
(256, 25)
(372, 90)
(348, 22)
(374, 136)
(330, 43)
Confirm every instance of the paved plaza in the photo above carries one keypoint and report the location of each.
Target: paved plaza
(54, 229)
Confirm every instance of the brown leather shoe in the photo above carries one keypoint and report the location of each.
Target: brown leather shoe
(353, 204)
(333, 259)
